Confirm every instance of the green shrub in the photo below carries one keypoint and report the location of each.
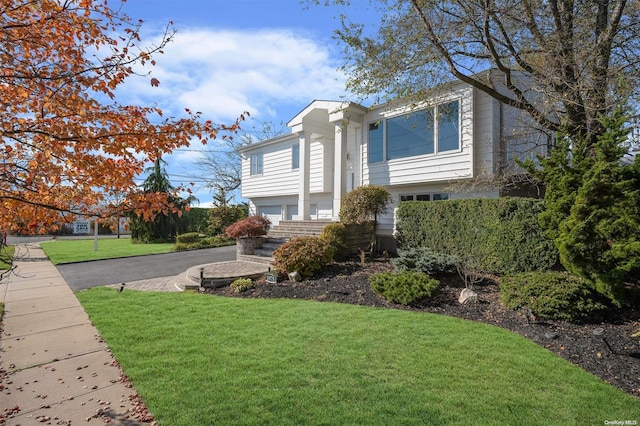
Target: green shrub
(405, 288)
(200, 243)
(181, 247)
(592, 200)
(425, 261)
(550, 295)
(497, 235)
(194, 220)
(364, 204)
(210, 242)
(307, 255)
(221, 217)
(241, 285)
(336, 235)
(189, 237)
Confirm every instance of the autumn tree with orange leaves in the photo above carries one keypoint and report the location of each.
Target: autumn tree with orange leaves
(67, 145)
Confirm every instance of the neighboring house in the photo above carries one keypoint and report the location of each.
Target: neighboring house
(454, 144)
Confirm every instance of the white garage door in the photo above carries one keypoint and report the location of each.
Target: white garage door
(274, 213)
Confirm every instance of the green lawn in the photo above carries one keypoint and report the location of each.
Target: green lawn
(198, 359)
(65, 251)
(6, 257)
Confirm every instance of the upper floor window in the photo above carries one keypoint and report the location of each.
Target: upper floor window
(295, 156)
(428, 131)
(256, 164)
(410, 135)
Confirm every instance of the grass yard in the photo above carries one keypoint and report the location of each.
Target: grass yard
(65, 251)
(200, 359)
(6, 257)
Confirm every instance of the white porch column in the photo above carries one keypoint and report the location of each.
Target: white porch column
(305, 160)
(339, 167)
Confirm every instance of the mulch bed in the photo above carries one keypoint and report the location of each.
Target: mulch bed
(605, 349)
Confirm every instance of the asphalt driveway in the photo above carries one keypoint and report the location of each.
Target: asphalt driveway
(96, 273)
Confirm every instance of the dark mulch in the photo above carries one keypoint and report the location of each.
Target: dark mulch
(605, 348)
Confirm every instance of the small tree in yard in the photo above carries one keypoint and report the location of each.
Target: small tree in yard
(364, 204)
(224, 214)
(164, 226)
(252, 226)
(593, 208)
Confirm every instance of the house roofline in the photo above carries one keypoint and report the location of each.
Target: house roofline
(266, 142)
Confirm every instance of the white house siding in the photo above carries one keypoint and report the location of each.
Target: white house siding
(521, 139)
(277, 178)
(317, 172)
(487, 134)
(272, 212)
(426, 168)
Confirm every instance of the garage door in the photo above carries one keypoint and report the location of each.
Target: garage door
(274, 213)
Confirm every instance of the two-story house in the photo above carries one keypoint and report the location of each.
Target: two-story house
(453, 144)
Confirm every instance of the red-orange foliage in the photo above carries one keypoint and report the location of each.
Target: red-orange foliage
(252, 226)
(64, 149)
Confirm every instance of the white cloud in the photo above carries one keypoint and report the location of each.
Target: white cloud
(223, 73)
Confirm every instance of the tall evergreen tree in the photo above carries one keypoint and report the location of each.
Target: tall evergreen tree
(593, 207)
(165, 225)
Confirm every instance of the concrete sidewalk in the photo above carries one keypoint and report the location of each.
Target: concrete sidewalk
(54, 367)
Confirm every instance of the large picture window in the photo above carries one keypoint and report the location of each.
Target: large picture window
(256, 164)
(410, 134)
(428, 131)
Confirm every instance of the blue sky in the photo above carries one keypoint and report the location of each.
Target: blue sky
(268, 57)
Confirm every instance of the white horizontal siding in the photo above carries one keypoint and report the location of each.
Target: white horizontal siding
(437, 167)
(316, 166)
(277, 178)
(486, 141)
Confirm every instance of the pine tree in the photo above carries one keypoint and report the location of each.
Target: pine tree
(165, 225)
(593, 207)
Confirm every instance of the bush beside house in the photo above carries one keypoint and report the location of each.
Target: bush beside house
(499, 235)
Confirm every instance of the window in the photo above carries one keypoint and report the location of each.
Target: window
(437, 197)
(417, 133)
(448, 127)
(424, 197)
(295, 156)
(410, 134)
(376, 142)
(256, 164)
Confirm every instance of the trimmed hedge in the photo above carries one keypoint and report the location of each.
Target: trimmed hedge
(499, 235)
(189, 242)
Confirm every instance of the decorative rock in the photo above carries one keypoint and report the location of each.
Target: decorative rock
(295, 276)
(550, 335)
(467, 296)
